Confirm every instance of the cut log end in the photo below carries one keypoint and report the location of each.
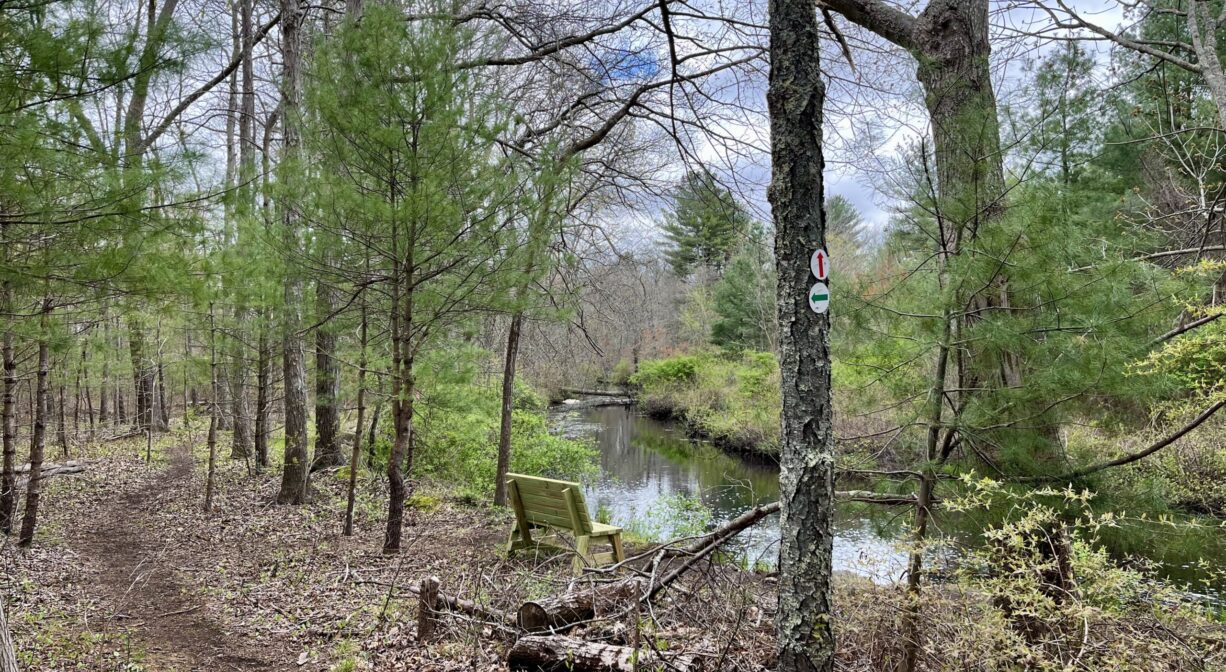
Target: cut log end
(563, 611)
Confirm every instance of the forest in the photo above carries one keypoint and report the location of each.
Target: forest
(613, 335)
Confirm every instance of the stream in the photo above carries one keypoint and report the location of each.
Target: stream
(648, 468)
(645, 464)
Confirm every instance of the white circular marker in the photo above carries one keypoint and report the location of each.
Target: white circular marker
(819, 263)
(819, 298)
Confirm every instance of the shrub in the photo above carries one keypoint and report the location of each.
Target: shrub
(731, 398)
(457, 421)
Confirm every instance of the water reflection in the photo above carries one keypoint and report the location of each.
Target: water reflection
(643, 461)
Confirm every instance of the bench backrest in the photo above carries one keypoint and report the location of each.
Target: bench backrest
(545, 501)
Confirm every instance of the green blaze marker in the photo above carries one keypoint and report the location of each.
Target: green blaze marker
(821, 297)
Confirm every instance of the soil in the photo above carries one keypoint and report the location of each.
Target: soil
(137, 583)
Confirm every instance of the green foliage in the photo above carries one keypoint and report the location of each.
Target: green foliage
(1196, 360)
(1063, 128)
(671, 517)
(659, 372)
(705, 227)
(745, 302)
(1081, 312)
(457, 428)
(1188, 476)
(732, 398)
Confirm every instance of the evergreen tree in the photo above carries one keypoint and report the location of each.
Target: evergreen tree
(705, 227)
(1065, 122)
(404, 164)
(745, 300)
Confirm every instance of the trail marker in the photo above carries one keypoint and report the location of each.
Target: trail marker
(819, 298)
(819, 263)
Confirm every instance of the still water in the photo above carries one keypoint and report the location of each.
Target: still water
(645, 464)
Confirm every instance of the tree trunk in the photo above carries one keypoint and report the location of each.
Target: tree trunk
(62, 433)
(327, 383)
(263, 374)
(38, 442)
(427, 609)
(8, 653)
(104, 386)
(121, 409)
(403, 390)
(294, 477)
(558, 653)
(794, 98)
(8, 494)
(508, 401)
(242, 443)
(402, 451)
(142, 377)
(355, 456)
(374, 430)
(213, 412)
(163, 406)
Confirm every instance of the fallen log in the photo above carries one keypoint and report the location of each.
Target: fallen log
(464, 606)
(561, 653)
(49, 469)
(595, 402)
(592, 393)
(561, 611)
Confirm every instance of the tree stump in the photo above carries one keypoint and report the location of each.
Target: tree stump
(427, 609)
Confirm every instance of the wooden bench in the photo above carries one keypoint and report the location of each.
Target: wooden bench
(543, 503)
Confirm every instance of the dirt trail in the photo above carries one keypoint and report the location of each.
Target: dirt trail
(136, 580)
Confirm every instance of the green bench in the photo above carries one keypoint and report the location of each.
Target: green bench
(543, 503)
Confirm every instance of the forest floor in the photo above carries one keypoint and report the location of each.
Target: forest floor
(128, 574)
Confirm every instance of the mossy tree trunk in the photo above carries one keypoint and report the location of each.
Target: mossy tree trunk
(795, 97)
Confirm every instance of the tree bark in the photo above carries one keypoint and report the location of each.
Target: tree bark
(8, 494)
(104, 385)
(427, 609)
(294, 477)
(163, 406)
(242, 444)
(262, 384)
(213, 413)
(327, 383)
(794, 98)
(8, 653)
(355, 455)
(241, 441)
(38, 442)
(62, 428)
(142, 377)
(562, 611)
(558, 653)
(508, 403)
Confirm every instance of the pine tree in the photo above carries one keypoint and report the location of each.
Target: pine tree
(404, 164)
(705, 227)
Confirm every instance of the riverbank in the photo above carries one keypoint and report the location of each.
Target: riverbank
(265, 587)
(730, 400)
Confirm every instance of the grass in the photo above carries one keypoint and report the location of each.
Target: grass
(732, 399)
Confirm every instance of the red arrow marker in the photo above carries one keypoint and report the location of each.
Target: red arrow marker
(818, 264)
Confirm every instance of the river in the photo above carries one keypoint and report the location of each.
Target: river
(645, 464)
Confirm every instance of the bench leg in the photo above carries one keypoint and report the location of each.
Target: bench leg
(619, 554)
(582, 543)
(518, 538)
